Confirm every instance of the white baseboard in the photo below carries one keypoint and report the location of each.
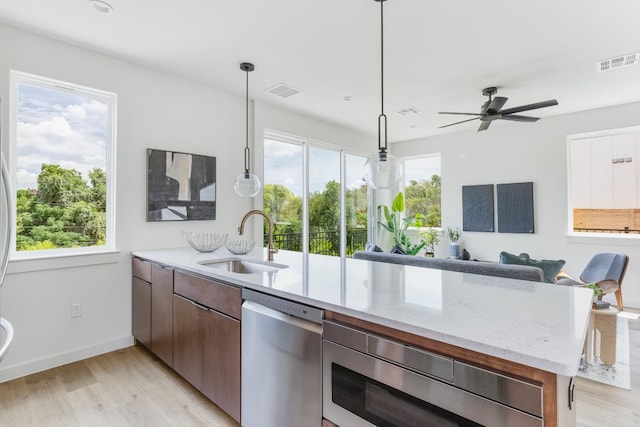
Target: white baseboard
(31, 367)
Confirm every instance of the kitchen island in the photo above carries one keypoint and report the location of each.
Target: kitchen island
(529, 330)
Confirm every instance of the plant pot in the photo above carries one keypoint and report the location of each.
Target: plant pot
(397, 250)
(429, 254)
(454, 250)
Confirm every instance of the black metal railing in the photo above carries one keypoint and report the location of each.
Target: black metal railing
(625, 230)
(321, 242)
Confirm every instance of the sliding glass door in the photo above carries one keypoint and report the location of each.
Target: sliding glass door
(316, 197)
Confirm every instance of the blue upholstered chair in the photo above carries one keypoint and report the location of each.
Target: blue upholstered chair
(607, 271)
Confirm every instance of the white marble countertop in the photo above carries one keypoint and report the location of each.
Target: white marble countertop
(536, 324)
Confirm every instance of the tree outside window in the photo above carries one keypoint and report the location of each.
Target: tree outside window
(63, 141)
(422, 189)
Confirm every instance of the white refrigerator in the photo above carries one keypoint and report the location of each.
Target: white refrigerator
(6, 223)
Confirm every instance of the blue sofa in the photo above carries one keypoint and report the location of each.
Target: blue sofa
(511, 271)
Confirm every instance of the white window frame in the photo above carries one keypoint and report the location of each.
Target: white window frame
(586, 236)
(64, 257)
(305, 143)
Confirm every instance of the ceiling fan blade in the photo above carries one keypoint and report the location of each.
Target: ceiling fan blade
(463, 114)
(484, 126)
(497, 103)
(516, 118)
(528, 107)
(457, 123)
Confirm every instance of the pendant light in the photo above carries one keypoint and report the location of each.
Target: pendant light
(247, 184)
(383, 170)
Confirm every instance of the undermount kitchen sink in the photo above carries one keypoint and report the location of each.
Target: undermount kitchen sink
(242, 265)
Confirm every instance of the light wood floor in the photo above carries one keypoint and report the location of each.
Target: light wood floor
(601, 405)
(131, 387)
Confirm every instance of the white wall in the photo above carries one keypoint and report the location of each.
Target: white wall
(155, 110)
(517, 152)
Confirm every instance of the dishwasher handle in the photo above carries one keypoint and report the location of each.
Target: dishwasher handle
(285, 306)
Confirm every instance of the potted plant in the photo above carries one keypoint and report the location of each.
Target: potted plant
(397, 225)
(454, 239)
(431, 237)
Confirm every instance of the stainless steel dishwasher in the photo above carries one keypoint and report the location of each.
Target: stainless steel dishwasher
(281, 362)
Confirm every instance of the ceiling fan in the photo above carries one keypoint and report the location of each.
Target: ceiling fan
(491, 110)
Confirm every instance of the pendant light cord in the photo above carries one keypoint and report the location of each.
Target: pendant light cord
(382, 118)
(247, 153)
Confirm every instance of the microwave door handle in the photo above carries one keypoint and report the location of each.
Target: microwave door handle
(4, 324)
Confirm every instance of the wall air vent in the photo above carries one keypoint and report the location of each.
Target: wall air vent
(410, 111)
(618, 62)
(282, 90)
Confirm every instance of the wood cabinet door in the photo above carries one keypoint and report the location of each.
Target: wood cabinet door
(187, 340)
(221, 361)
(162, 313)
(141, 311)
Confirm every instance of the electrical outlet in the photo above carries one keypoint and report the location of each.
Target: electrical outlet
(76, 310)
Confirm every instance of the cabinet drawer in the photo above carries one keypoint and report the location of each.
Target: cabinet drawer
(223, 298)
(141, 269)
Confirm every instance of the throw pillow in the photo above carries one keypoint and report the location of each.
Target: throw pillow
(550, 268)
(370, 247)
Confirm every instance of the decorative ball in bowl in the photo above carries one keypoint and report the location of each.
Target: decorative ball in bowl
(204, 241)
(240, 246)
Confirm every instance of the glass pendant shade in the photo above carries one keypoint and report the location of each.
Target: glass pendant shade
(382, 174)
(247, 185)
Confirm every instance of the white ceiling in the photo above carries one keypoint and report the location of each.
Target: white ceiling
(439, 55)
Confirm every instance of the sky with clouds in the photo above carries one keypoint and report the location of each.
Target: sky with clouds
(283, 165)
(59, 127)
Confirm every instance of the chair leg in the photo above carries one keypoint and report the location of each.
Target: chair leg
(619, 298)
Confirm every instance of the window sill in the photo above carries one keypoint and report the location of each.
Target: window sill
(600, 238)
(24, 264)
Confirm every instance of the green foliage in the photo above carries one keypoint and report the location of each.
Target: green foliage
(431, 237)
(63, 212)
(285, 209)
(397, 225)
(596, 289)
(454, 234)
(423, 197)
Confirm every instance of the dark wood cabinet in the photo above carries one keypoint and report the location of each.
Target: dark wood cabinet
(187, 340)
(152, 307)
(162, 312)
(221, 361)
(141, 301)
(206, 338)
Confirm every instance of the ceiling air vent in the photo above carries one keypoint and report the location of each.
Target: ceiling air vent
(282, 90)
(410, 111)
(618, 62)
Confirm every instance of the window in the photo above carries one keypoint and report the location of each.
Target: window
(63, 166)
(604, 182)
(315, 195)
(422, 188)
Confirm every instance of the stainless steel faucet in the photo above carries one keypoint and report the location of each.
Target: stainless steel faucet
(272, 249)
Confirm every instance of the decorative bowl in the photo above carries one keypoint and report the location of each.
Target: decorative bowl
(240, 246)
(204, 241)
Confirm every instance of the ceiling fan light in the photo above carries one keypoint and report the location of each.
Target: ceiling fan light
(247, 184)
(383, 174)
